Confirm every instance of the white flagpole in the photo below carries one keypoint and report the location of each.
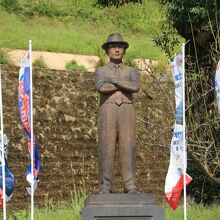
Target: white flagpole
(3, 151)
(32, 138)
(184, 132)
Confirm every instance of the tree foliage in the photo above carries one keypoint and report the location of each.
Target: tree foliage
(198, 21)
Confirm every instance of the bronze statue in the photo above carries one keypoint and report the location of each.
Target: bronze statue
(116, 118)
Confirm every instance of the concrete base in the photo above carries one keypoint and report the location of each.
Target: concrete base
(122, 206)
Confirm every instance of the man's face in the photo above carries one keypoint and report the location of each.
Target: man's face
(116, 51)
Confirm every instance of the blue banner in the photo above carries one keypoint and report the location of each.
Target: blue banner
(24, 104)
(9, 178)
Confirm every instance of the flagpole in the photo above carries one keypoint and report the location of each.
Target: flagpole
(32, 138)
(184, 132)
(3, 151)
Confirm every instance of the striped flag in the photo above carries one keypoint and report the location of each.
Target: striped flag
(174, 183)
(24, 104)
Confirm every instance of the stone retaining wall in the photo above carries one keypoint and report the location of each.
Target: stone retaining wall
(65, 108)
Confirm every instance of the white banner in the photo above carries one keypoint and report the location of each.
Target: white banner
(174, 178)
(5, 142)
(217, 85)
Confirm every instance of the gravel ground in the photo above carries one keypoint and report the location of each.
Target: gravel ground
(56, 60)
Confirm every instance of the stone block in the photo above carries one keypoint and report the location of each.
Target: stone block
(122, 206)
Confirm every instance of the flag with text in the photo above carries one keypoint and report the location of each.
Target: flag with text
(174, 179)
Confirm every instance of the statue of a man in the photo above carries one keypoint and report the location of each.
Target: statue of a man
(116, 83)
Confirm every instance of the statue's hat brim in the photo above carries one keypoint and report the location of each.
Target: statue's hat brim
(114, 39)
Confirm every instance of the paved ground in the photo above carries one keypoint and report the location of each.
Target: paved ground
(56, 60)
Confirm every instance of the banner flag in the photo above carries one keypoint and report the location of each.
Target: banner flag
(174, 183)
(9, 178)
(217, 85)
(24, 104)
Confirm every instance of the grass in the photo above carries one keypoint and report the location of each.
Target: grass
(72, 65)
(73, 211)
(39, 62)
(83, 28)
(4, 58)
(194, 212)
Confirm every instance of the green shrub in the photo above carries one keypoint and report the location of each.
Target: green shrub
(46, 8)
(39, 62)
(4, 58)
(103, 59)
(10, 5)
(47, 75)
(168, 39)
(72, 65)
(129, 60)
(117, 3)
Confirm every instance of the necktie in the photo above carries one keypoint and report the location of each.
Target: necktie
(117, 72)
(118, 97)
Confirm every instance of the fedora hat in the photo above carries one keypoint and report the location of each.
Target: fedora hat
(114, 38)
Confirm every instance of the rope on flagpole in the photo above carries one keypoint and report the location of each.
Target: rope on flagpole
(3, 151)
(32, 138)
(184, 132)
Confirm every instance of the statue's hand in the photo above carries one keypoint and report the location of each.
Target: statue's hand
(108, 80)
(114, 81)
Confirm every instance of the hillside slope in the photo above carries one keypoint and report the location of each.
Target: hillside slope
(79, 27)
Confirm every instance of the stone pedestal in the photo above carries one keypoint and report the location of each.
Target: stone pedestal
(122, 206)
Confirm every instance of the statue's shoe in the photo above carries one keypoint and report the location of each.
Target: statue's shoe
(104, 191)
(133, 190)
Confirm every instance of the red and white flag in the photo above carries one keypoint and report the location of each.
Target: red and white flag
(175, 177)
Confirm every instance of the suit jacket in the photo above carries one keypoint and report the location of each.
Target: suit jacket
(116, 83)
